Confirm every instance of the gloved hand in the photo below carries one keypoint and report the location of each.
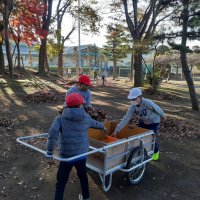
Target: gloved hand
(49, 155)
(104, 129)
(49, 158)
(164, 118)
(104, 132)
(114, 134)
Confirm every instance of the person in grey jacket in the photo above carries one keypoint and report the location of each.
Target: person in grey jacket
(149, 114)
(71, 128)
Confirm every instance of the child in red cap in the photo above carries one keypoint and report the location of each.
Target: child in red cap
(82, 88)
(72, 129)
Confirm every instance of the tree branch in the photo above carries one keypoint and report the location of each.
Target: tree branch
(128, 19)
(146, 18)
(68, 35)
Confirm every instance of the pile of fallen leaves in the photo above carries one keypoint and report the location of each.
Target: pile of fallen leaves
(45, 96)
(39, 142)
(66, 82)
(5, 122)
(96, 113)
(134, 120)
(174, 128)
(160, 95)
(18, 75)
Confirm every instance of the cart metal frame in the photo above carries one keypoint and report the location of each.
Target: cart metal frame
(143, 158)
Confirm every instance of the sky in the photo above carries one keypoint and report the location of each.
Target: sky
(98, 39)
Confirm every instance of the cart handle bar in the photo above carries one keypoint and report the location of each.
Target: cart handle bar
(56, 157)
(122, 141)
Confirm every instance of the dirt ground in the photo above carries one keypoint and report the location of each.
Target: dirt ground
(25, 174)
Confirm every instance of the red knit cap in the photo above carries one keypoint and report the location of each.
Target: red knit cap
(74, 99)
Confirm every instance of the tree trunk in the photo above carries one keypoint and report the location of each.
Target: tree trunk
(138, 76)
(42, 53)
(30, 56)
(15, 61)
(2, 63)
(183, 56)
(168, 75)
(22, 62)
(43, 63)
(132, 67)
(60, 62)
(46, 64)
(89, 59)
(18, 56)
(177, 75)
(5, 19)
(114, 69)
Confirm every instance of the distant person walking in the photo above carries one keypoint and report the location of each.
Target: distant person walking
(103, 76)
(64, 72)
(95, 75)
(69, 72)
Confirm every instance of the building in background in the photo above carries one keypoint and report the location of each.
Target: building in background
(90, 56)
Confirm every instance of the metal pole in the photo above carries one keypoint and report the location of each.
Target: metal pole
(79, 37)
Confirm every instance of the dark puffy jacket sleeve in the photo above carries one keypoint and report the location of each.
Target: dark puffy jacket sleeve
(54, 132)
(96, 124)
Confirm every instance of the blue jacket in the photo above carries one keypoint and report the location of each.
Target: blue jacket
(71, 130)
(87, 96)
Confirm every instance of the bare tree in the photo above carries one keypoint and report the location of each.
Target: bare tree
(43, 63)
(143, 20)
(7, 7)
(62, 6)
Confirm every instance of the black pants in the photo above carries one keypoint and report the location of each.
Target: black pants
(63, 175)
(153, 127)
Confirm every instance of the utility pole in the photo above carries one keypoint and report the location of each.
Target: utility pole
(79, 37)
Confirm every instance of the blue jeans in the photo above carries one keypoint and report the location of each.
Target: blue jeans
(153, 127)
(63, 175)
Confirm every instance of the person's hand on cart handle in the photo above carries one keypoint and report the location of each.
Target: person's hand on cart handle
(49, 155)
(49, 158)
(164, 118)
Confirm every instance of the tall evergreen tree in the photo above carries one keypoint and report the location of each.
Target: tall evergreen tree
(117, 45)
(189, 9)
(188, 18)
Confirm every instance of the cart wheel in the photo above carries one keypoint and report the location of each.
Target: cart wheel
(136, 175)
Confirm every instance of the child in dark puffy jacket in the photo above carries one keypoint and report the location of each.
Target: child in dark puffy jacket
(72, 129)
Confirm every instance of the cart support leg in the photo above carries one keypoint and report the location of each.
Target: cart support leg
(105, 186)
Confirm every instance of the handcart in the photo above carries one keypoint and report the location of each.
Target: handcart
(128, 152)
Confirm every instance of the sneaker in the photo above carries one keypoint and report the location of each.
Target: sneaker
(156, 156)
(80, 197)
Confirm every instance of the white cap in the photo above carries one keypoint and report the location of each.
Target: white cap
(134, 93)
